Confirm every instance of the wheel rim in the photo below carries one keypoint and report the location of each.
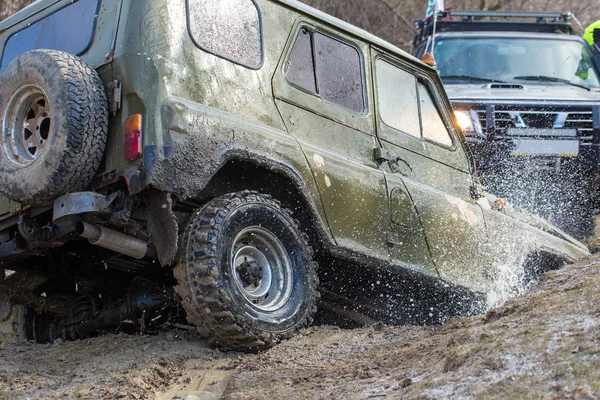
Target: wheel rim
(26, 126)
(261, 268)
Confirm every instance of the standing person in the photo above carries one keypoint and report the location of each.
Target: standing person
(593, 32)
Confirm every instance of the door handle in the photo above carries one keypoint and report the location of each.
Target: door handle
(401, 159)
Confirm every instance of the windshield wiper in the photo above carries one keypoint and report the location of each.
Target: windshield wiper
(470, 78)
(543, 78)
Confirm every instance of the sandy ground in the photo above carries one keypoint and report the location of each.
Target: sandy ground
(542, 345)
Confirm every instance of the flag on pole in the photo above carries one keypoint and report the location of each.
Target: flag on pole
(430, 9)
(434, 6)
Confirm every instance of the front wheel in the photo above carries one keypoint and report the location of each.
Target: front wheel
(246, 274)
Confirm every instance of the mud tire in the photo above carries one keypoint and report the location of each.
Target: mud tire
(209, 285)
(62, 153)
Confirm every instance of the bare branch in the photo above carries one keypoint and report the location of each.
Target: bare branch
(398, 15)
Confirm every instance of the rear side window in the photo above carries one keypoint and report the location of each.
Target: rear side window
(70, 29)
(327, 67)
(230, 29)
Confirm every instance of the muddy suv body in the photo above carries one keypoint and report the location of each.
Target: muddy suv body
(528, 91)
(212, 118)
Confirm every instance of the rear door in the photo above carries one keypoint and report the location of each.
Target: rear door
(430, 166)
(86, 28)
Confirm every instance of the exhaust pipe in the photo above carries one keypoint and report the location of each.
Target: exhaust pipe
(112, 240)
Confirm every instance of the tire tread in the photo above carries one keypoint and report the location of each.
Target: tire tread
(211, 311)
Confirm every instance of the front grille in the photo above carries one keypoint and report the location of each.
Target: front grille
(503, 121)
(583, 122)
(539, 120)
(481, 114)
(505, 117)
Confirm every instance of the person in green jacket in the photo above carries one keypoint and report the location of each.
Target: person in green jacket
(588, 34)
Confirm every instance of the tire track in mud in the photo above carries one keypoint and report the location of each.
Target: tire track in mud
(201, 380)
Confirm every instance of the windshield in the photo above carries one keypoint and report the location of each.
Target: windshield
(515, 59)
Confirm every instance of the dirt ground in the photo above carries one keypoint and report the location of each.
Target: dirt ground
(545, 344)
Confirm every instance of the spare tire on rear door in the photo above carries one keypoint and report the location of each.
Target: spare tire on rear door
(53, 126)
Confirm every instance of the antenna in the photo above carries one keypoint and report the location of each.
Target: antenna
(578, 23)
(435, 15)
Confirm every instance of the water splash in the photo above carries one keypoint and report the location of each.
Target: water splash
(508, 272)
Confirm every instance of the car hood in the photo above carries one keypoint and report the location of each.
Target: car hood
(556, 93)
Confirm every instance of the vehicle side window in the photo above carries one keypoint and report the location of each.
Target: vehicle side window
(230, 29)
(433, 125)
(301, 65)
(397, 98)
(57, 31)
(327, 67)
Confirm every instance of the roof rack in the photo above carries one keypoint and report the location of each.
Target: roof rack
(539, 16)
(499, 21)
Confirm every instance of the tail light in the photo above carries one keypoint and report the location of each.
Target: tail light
(133, 137)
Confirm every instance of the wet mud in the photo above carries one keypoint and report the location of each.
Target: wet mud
(543, 344)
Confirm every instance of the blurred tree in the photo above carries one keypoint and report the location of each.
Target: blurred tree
(393, 20)
(9, 7)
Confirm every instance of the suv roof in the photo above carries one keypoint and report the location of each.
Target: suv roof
(41, 5)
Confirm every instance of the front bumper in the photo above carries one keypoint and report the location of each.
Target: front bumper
(501, 150)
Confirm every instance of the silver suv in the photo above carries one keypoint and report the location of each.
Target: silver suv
(527, 95)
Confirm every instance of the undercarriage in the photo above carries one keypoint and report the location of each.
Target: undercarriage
(75, 302)
(85, 270)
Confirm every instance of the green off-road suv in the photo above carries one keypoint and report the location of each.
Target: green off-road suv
(222, 148)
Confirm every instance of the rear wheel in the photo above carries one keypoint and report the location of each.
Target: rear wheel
(14, 317)
(246, 274)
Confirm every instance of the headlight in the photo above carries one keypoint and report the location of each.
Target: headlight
(468, 122)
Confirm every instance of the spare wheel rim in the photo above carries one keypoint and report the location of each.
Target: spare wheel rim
(26, 125)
